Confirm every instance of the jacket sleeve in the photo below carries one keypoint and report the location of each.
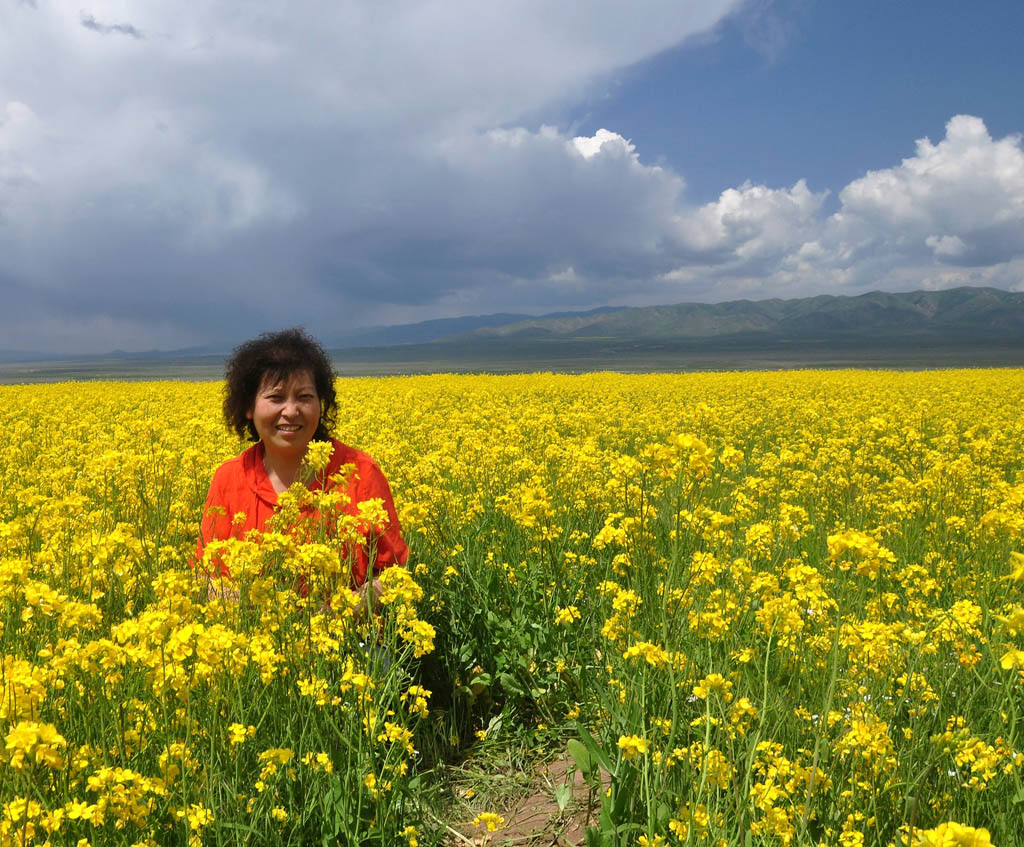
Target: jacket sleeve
(391, 548)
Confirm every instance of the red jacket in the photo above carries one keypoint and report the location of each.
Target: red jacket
(242, 485)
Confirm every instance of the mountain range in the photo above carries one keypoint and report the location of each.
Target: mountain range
(982, 312)
(441, 328)
(966, 316)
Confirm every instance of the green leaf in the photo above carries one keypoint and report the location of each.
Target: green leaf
(595, 750)
(510, 684)
(241, 827)
(563, 794)
(623, 792)
(581, 756)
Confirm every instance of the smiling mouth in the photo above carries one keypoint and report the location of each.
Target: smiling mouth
(288, 428)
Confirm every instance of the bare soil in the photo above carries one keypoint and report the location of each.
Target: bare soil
(535, 819)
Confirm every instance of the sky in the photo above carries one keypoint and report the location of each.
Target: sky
(176, 175)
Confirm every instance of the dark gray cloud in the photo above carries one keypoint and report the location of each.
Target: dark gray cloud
(89, 22)
(248, 164)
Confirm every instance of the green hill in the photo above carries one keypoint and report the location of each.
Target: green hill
(985, 312)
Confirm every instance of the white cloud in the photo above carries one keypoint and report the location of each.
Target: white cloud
(751, 222)
(568, 274)
(958, 202)
(951, 246)
(603, 142)
(536, 203)
(963, 198)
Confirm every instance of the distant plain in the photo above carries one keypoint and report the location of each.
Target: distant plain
(953, 328)
(575, 355)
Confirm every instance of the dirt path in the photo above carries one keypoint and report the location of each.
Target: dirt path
(536, 820)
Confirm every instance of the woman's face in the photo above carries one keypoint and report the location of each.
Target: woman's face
(286, 413)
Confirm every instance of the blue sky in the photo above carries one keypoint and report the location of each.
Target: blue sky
(817, 90)
(187, 175)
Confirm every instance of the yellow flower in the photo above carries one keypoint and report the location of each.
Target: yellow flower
(953, 835)
(713, 683)
(632, 746)
(566, 615)
(1013, 623)
(653, 654)
(318, 456)
(377, 788)
(78, 810)
(30, 741)
(490, 821)
(277, 755)
(1013, 659)
(395, 734)
(198, 817)
(416, 697)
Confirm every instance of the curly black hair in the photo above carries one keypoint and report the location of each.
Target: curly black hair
(276, 356)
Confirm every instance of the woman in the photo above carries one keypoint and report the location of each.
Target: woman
(280, 392)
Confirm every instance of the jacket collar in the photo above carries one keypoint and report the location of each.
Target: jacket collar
(256, 472)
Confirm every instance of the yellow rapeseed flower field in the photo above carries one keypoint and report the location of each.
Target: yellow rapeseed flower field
(756, 608)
